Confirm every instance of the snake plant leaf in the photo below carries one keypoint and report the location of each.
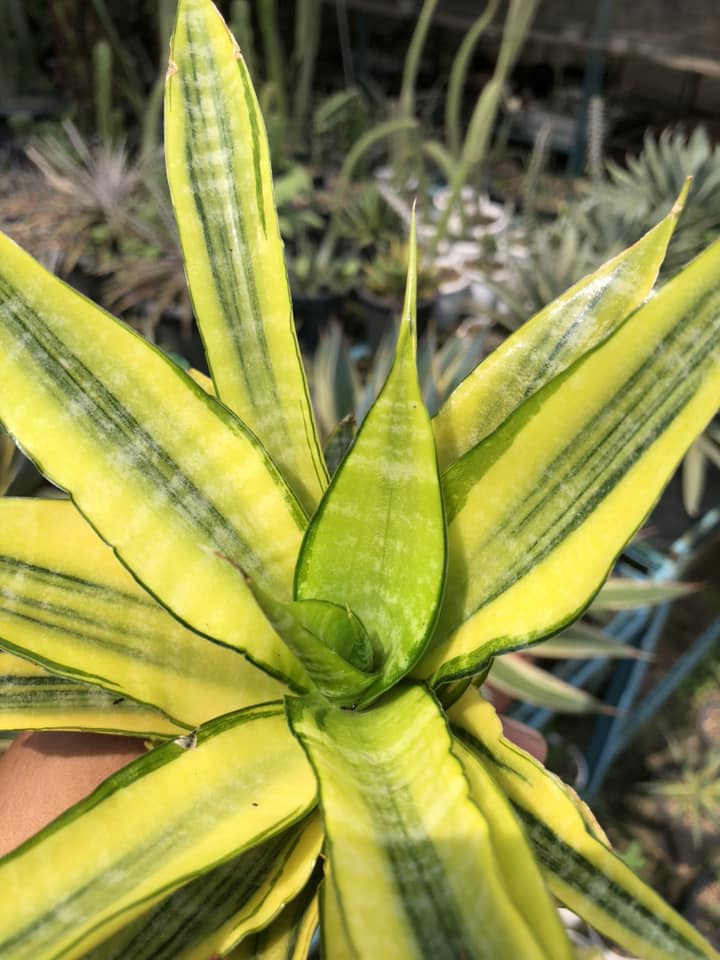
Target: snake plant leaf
(339, 442)
(335, 381)
(202, 380)
(580, 869)
(154, 463)
(520, 872)
(163, 820)
(34, 699)
(327, 639)
(377, 541)
(583, 641)
(220, 180)
(79, 613)
(289, 937)
(519, 678)
(620, 593)
(581, 462)
(410, 870)
(339, 629)
(550, 342)
(693, 478)
(208, 916)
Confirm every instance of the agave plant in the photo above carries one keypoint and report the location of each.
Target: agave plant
(636, 192)
(296, 648)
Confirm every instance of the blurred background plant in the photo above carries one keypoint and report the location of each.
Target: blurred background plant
(99, 217)
(9, 462)
(689, 786)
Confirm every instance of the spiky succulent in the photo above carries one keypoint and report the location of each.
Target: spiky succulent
(292, 645)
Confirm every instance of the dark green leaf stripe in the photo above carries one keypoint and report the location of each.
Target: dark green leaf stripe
(253, 117)
(174, 493)
(56, 694)
(55, 607)
(198, 909)
(233, 276)
(593, 462)
(231, 244)
(579, 867)
(290, 934)
(75, 386)
(80, 614)
(184, 810)
(582, 461)
(560, 860)
(434, 914)
(410, 869)
(31, 699)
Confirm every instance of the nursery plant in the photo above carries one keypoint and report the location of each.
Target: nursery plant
(300, 651)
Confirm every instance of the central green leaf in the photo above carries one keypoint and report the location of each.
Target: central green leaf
(377, 541)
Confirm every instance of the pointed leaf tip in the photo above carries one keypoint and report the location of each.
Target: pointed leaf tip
(409, 313)
(679, 204)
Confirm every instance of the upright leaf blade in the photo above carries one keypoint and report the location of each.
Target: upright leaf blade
(165, 473)
(221, 184)
(550, 342)
(580, 463)
(169, 816)
(579, 867)
(377, 541)
(410, 869)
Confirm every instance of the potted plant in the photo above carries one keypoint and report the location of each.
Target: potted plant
(300, 649)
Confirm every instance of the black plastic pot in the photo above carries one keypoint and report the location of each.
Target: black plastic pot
(379, 316)
(313, 313)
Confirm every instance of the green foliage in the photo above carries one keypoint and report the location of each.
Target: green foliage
(285, 636)
(633, 856)
(385, 275)
(9, 461)
(637, 192)
(108, 212)
(690, 787)
(612, 213)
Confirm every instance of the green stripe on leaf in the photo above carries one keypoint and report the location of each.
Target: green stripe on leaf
(580, 869)
(580, 463)
(162, 490)
(218, 809)
(550, 342)
(221, 184)
(410, 870)
(82, 615)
